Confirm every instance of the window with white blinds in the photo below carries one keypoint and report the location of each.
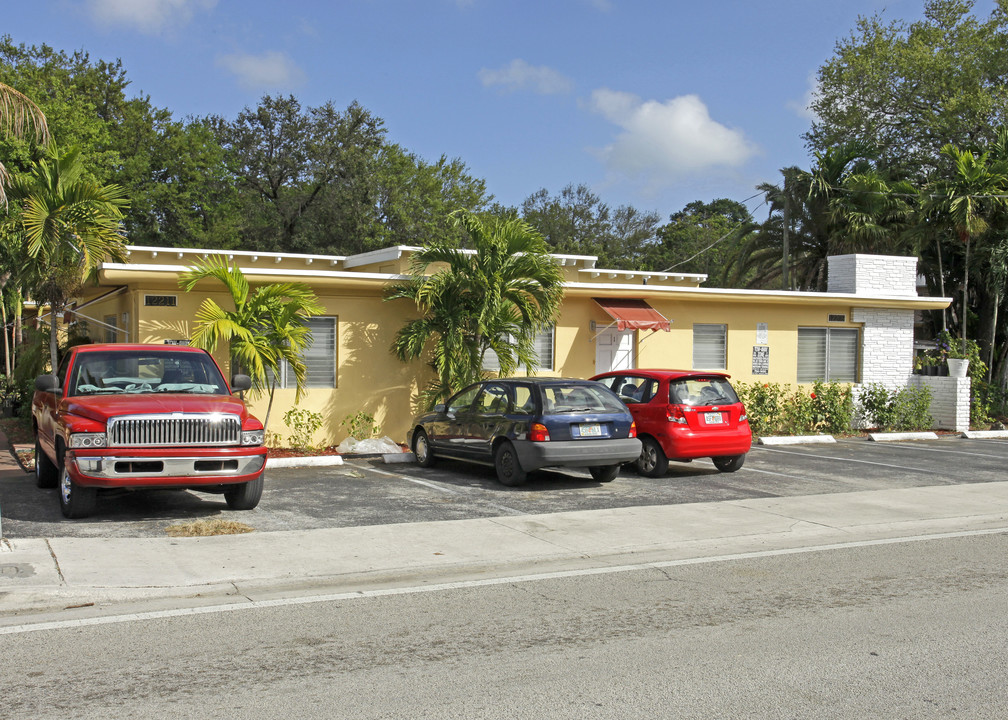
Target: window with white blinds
(829, 354)
(544, 351)
(319, 357)
(710, 347)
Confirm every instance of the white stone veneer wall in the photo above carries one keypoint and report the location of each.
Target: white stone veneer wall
(886, 345)
(872, 275)
(950, 400)
(887, 334)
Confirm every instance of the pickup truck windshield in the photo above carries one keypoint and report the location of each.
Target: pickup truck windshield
(112, 373)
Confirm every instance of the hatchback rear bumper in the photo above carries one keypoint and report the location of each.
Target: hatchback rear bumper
(576, 453)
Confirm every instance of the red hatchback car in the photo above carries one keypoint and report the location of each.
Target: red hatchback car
(681, 415)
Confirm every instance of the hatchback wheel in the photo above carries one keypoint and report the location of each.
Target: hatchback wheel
(509, 469)
(421, 449)
(652, 461)
(729, 463)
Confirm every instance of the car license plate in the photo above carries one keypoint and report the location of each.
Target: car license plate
(714, 418)
(590, 430)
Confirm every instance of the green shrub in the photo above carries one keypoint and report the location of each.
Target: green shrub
(903, 409)
(775, 409)
(361, 426)
(303, 425)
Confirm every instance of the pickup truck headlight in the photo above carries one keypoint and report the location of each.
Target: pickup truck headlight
(253, 437)
(88, 440)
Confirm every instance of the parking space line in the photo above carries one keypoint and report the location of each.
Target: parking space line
(950, 452)
(450, 491)
(853, 460)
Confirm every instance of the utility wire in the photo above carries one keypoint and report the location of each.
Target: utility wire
(727, 234)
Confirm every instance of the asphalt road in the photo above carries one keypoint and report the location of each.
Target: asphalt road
(368, 492)
(912, 630)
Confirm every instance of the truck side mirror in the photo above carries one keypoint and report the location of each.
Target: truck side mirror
(47, 383)
(240, 383)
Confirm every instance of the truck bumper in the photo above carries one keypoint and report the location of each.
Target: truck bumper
(117, 471)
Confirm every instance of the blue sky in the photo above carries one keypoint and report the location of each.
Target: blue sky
(651, 103)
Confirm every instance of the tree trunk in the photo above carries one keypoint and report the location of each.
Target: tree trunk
(941, 280)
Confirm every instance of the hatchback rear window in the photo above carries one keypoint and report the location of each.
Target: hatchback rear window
(702, 391)
(580, 398)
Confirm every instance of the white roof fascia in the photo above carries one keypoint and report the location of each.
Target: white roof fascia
(599, 272)
(180, 253)
(745, 293)
(388, 254)
(308, 274)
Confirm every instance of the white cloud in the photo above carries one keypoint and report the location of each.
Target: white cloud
(666, 141)
(803, 108)
(148, 16)
(519, 75)
(271, 70)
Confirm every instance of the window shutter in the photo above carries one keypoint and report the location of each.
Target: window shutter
(811, 354)
(710, 347)
(843, 355)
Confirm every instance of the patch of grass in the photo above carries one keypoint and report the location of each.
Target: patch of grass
(205, 528)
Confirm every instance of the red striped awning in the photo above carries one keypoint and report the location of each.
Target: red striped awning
(634, 314)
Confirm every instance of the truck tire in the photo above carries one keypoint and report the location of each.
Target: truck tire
(245, 496)
(46, 473)
(75, 501)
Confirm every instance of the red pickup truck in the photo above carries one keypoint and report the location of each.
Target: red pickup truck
(144, 416)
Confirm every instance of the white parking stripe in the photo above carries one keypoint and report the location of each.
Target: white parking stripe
(442, 488)
(940, 450)
(817, 456)
(465, 584)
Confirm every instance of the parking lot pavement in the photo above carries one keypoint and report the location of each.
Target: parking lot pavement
(365, 492)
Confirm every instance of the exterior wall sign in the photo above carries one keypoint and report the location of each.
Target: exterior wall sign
(762, 333)
(760, 360)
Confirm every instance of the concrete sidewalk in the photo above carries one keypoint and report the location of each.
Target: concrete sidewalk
(59, 574)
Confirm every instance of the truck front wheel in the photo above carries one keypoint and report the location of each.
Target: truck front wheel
(75, 501)
(245, 496)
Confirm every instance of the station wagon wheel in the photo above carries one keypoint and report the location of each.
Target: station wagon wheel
(729, 463)
(46, 473)
(604, 473)
(652, 461)
(509, 469)
(75, 501)
(421, 448)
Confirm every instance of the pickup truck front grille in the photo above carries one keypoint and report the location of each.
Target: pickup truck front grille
(177, 429)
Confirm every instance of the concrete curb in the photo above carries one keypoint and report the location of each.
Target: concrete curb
(984, 434)
(796, 439)
(897, 436)
(304, 461)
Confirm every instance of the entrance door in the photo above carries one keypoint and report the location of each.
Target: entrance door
(614, 350)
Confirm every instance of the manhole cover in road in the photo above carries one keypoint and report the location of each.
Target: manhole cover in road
(16, 570)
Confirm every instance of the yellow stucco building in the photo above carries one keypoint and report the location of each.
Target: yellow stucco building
(860, 331)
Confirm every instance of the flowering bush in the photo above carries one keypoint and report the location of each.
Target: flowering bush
(775, 409)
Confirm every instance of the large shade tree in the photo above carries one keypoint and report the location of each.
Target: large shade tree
(67, 225)
(265, 330)
(494, 297)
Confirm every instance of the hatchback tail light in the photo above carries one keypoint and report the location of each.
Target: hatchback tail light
(676, 414)
(538, 433)
(744, 416)
(633, 430)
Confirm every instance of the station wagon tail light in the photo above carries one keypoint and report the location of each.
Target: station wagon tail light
(633, 430)
(676, 414)
(538, 433)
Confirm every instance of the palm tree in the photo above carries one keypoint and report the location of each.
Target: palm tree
(965, 201)
(495, 297)
(19, 116)
(67, 225)
(265, 330)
